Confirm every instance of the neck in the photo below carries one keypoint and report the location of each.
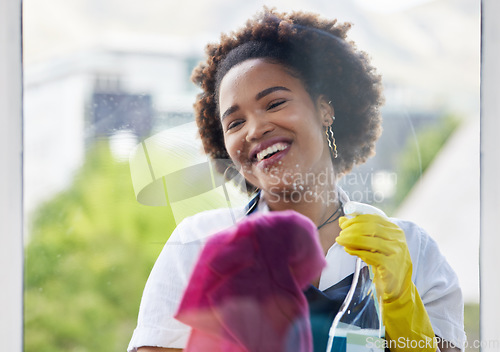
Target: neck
(317, 207)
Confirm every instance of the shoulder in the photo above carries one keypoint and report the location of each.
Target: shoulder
(419, 241)
(188, 239)
(431, 270)
(427, 259)
(199, 227)
(412, 231)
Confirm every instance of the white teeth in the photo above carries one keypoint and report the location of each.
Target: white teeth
(272, 149)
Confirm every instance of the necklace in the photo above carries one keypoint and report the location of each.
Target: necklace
(339, 210)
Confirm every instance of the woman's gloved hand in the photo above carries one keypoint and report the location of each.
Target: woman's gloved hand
(382, 244)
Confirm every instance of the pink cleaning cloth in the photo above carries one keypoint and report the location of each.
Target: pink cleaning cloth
(245, 293)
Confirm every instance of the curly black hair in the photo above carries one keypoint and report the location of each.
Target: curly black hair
(318, 52)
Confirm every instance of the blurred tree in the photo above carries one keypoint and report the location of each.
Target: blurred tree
(90, 251)
(419, 153)
(471, 322)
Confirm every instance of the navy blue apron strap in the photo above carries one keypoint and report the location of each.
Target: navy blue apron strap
(252, 205)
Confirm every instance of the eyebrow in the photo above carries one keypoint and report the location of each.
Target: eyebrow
(268, 91)
(259, 96)
(229, 111)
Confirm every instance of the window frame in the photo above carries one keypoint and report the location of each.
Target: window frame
(11, 149)
(11, 159)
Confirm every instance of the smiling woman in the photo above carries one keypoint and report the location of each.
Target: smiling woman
(324, 64)
(292, 105)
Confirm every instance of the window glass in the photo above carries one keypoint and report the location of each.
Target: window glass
(107, 91)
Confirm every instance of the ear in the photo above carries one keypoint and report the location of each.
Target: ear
(326, 110)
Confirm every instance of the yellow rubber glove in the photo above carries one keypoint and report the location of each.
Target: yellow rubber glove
(382, 244)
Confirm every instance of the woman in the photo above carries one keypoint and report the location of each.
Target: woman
(294, 106)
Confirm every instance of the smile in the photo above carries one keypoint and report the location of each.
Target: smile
(270, 151)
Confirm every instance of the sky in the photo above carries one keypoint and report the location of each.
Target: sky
(430, 48)
(389, 6)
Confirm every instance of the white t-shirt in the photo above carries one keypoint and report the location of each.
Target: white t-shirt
(435, 280)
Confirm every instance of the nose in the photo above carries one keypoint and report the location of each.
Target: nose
(258, 127)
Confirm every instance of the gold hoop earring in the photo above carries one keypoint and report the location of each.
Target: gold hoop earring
(331, 141)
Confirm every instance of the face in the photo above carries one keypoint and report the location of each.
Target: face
(272, 128)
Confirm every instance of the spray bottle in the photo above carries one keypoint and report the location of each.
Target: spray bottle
(355, 328)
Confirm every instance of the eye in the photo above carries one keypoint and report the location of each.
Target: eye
(234, 124)
(275, 103)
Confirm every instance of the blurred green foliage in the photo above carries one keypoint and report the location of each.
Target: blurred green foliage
(471, 322)
(90, 250)
(419, 153)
